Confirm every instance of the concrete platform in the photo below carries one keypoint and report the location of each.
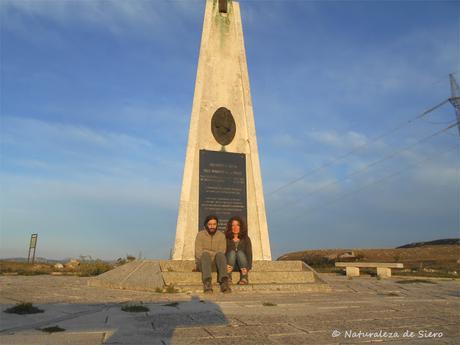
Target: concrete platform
(384, 311)
(152, 275)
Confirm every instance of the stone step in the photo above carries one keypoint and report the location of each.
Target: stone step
(130, 276)
(153, 275)
(264, 266)
(187, 278)
(279, 266)
(287, 287)
(177, 265)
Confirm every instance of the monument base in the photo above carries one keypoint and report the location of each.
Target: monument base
(157, 275)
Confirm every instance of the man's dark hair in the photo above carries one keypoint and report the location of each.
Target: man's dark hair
(208, 218)
(243, 230)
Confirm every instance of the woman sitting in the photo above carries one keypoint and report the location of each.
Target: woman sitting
(239, 249)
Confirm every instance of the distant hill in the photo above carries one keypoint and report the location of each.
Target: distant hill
(37, 260)
(443, 242)
(434, 258)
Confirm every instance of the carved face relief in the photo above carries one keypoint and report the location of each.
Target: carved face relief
(223, 126)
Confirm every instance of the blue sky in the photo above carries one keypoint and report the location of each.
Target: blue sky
(96, 98)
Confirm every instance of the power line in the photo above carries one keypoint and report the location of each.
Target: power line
(357, 148)
(383, 179)
(366, 167)
(453, 135)
(437, 122)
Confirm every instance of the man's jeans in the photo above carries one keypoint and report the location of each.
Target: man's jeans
(205, 265)
(237, 259)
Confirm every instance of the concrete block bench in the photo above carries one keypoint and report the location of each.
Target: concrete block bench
(383, 268)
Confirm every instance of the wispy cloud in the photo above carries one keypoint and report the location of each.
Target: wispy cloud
(53, 148)
(349, 139)
(62, 179)
(17, 129)
(117, 17)
(98, 147)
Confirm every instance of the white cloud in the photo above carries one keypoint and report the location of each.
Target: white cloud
(350, 139)
(16, 129)
(61, 149)
(90, 189)
(285, 140)
(439, 173)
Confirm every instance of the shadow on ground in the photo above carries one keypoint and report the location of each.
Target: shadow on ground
(109, 324)
(166, 321)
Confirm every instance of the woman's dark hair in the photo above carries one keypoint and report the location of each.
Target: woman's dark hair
(243, 230)
(208, 218)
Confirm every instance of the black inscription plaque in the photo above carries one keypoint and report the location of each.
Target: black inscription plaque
(222, 189)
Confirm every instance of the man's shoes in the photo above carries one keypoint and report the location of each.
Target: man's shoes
(225, 286)
(207, 287)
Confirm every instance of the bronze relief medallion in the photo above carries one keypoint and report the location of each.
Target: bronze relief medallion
(223, 126)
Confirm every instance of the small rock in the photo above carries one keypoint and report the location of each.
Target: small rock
(72, 263)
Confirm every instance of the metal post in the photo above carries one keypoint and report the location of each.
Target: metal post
(32, 246)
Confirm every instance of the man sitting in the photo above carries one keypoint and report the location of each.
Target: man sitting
(210, 247)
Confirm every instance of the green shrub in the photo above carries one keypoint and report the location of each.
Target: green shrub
(318, 261)
(52, 329)
(172, 304)
(269, 304)
(134, 308)
(23, 308)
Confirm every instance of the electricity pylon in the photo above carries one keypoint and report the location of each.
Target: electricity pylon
(455, 98)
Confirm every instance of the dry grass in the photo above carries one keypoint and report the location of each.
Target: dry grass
(84, 269)
(93, 268)
(25, 269)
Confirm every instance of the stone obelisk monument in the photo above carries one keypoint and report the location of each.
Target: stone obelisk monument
(222, 171)
(221, 174)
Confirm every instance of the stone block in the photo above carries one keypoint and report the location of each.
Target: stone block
(384, 272)
(277, 266)
(369, 264)
(352, 271)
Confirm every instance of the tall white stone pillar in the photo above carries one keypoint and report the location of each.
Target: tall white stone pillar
(222, 81)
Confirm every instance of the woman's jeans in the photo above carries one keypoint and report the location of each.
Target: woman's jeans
(237, 259)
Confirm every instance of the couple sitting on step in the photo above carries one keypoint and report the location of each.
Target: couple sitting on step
(224, 253)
